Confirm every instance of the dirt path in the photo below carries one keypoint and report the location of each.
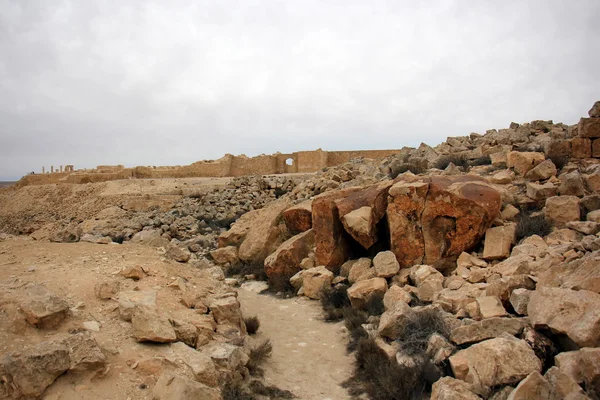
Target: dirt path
(309, 355)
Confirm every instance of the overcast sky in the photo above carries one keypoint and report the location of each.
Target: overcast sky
(171, 82)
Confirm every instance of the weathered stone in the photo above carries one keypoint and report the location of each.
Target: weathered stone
(149, 326)
(589, 128)
(130, 300)
(285, 261)
(561, 385)
(542, 171)
(362, 292)
(135, 272)
(538, 191)
(225, 255)
(84, 352)
(226, 357)
(571, 184)
(594, 216)
(569, 362)
(358, 269)
(385, 264)
(361, 211)
(503, 287)
(592, 180)
(533, 387)
(392, 321)
(585, 227)
(498, 241)
(150, 237)
(590, 368)
(581, 147)
(580, 323)
(448, 388)
(226, 310)
(186, 332)
(107, 289)
(503, 177)
(332, 242)
(519, 299)
(178, 254)
(345, 268)
(486, 329)
(596, 148)
(308, 263)
(429, 281)
(171, 387)
(298, 218)
(490, 307)
(522, 162)
(42, 308)
(265, 235)
(296, 280)
(405, 207)
(395, 294)
(201, 365)
(562, 209)
(579, 274)
(315, 281)
(500, 361)
(196, 299)
(34, 369)
(509, 213)
(438, 348)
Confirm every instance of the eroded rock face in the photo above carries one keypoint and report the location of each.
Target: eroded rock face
(42, 308)
(285, 261)
(501, 361)
(575, 314)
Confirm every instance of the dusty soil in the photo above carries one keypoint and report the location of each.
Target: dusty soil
(309, 355)
(71, 271)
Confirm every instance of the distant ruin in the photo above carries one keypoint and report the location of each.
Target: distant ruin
(226, 166)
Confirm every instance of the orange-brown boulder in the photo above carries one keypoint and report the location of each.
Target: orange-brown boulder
(361, 211)
(332, 242)
(298, 218)
(285, 261)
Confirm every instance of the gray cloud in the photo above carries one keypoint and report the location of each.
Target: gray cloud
(165, 83)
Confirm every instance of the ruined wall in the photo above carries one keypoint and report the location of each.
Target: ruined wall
(228, 165)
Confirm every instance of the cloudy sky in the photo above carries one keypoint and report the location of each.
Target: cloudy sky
(170, 82)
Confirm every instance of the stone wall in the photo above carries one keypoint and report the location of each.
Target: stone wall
(228, 165)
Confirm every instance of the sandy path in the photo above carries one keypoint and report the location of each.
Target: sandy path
(309, 355)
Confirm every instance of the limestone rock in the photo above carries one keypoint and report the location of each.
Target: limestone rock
(438, 348)
(500, 361)
(359, 268)
(539, 192)
(585, 227)
(267, 232)
(448, 388)
(395, 294)
(533, 387)
(429, 281)
(392, 321)
(202, 366)
(361, 211)
(519, 299)
(522, 162)
(503, 177)
(490, 307)
(129, 300)
(149, 326)
(226, 357)
(502, 288)
(135, 272)
(579, 274)
(332, 242)
(226, 310)
(42, 308)
(362, 292)
(595, 110)
(405, 207)
(509, 213)
(542, 171)
(581, 147)
(298, 218)
(225, 255)
(178, 254)
(315, 281)
(486, 329)
(107, 289)
(498, 242)
(385, 264)
(34, 369)
(562, 209)
(285, 261)
(150, 237)
(589, 128)
(84, 352)
(567, 312)
(561, 385)
(296, 280)
(171, 387)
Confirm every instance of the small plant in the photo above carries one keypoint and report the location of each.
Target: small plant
(353, 320)
(334, 301)
(529, 225)
(484, 160)
(418, 328)
(252, 324)
(258, 355)
(457, 159)
(559, 161)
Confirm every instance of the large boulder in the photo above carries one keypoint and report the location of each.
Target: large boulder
(385, 264)
(34, 369)
(563, 209)
(542, 171)
(43, 308)
(405, 208)
(332, 242)
(298, 218)
(361, 211)
(364, 291)
(579, 274)
(267, 232)
(504, 360)
(574, 314)
(522, 162)
(285, 261)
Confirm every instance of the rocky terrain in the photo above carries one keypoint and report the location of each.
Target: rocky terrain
(468, 270)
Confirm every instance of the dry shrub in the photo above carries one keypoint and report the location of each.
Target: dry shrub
(353, 320)
(529, 225)
(236, 391)
(418, 328)
(483, 160)
(457, 159)
(334, 301)
(252, 324)
(559, 161)
(258, 355)
(272, 392)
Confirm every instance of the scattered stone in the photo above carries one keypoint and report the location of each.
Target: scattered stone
(539, 192)
(130, 300)
(486, 329)
(149, 326)
(202, 366)
(522, 162)
(285, 261)
(362, 292)
(490, 307)
(42, 308)
(133, 272)
(562, 209)
(171, 387)
(542, 171)
(315, 281)
(498, 242)
(519, 299)
(448, 388)
(225, 255)
(106, 290)
(84, 352)
(394, 295)
(533, 387)
(178, 254)
(359, 268)
(385, 264)
(91, 326)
